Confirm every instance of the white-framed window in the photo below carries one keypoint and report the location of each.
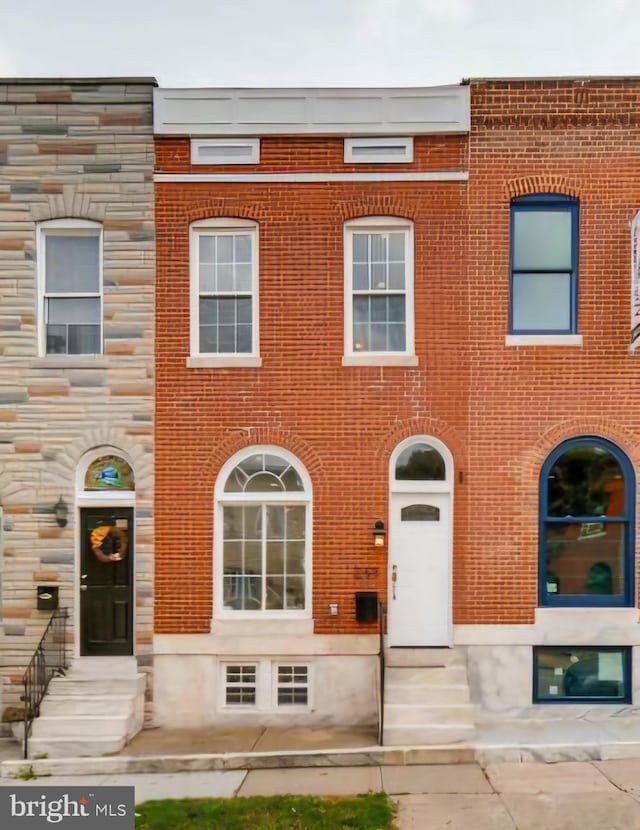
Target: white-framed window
(379, 287)
(69, 255)
(390, 150)
(265, 685)
(225, 150)
(224, 288)
(262, 538)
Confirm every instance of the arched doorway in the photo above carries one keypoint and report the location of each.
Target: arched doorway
(420, 543)
(106, 498)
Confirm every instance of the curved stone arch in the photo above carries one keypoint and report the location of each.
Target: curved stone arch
(246, 437)
(70, 204)
(530, 185)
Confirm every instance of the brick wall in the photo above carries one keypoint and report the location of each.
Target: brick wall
(580, 138)
(341, 422)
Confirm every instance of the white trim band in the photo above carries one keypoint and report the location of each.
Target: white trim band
(309, 178)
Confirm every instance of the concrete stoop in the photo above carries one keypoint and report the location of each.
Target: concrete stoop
(426, 698)
(95, 709)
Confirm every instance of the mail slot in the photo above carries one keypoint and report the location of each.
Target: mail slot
(47, 597)
(366, 606)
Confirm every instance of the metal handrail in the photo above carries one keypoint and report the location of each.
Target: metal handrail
(382, 611)
(49, 659)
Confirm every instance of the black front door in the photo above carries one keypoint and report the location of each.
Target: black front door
(106, 583)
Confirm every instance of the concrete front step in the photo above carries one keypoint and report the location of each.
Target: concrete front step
(425, 657)
(401, 714)
(431, 695)
(90, 726)
(416, 734)
(74, 685)
(77, 747)
(435, 676)
(98, 667)
(90, 705)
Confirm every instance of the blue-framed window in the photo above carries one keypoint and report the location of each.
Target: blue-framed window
(582, 674)
(587, 503)
(544, 265)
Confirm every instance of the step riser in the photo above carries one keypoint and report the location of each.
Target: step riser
(97, 667)
(69, 727)
(75, 747)
(423, 657)
(417, 735)
(402, 715)
(427, 695)
(449, 676)
(61, 705)
(105, 686)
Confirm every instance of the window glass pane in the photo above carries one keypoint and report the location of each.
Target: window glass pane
(207, 248)
(74, 310)
(295, 593)
(586, 481)
(72, 264)
(581, 672)
(397, 337)
(73, 325)
(584, 558)
(361, 247)
(396, 275)
(378, 247)
(225, 277)
(225, 325)
(360, 277)
(542, 302)
(242, 278)
(420, 462)
(542, 239)
(396, 247)
(379, 276)
(275, 593)
(242, 248)
(225, 249)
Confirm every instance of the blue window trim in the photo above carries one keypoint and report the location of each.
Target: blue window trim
(626, 676)
(542, 202)
(627, 599)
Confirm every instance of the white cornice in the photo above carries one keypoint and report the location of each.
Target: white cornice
(358, 112)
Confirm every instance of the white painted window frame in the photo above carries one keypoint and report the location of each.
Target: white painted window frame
(266, 686)
(379, 147)
(198, 145)
(213, 227)
(222, 499)
(225, 685)
(379, 224)
(66, 227)
(275, 685)
(413, 486)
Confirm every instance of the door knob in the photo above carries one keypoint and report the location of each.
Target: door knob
(83, 587)
(394, 579)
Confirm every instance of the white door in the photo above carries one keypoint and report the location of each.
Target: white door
(419, 606)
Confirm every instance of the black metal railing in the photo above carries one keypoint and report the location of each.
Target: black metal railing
(49, 660)
(382, 619)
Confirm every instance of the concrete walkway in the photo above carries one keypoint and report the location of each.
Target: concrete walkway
(603, 795)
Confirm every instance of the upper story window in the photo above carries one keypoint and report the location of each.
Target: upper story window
(225, 150)
(263, 534)
(587, 497)
(391, 150)
(544, 265)
(70, 287)
(224, 288)
(379, 287)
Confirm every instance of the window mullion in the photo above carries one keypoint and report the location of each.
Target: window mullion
(263, 556)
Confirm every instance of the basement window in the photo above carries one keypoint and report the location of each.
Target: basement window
(581, 674)
(225, 151)
(390, 150)
(293, 686)
(240, 685)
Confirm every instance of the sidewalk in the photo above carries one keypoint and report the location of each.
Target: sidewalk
(601, 795)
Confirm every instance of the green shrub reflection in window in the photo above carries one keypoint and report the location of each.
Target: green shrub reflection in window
(109, 472)
(420, 462)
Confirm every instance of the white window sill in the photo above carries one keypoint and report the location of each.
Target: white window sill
(543, 340)
(219, 361)
(380, 360)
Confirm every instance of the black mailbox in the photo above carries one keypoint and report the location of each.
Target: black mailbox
(366, 606)
(47, 597)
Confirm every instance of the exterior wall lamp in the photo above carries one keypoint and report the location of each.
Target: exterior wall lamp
(379, 533)
(61, 510)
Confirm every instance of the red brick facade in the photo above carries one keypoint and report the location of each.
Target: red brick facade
(500, 409)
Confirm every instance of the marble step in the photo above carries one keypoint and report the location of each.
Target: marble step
(427, 695)
(90, 705)
(87, 686)
(89, 726)
(421, 735)
(77, 747)
(99, 667)
(401, 714)
(425, 657)
(420, 676)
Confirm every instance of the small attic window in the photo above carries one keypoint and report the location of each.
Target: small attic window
(225, 150)
(390, 150)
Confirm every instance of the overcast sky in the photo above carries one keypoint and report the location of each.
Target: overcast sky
(318, 42)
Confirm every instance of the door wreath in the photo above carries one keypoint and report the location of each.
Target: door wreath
(108, 543)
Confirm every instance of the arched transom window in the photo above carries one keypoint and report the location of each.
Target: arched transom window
(263, 511)
(420, 461)
(587, 493)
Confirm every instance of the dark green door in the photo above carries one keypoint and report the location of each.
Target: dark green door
(106, 581)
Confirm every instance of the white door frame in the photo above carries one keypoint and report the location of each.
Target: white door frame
(419, 489)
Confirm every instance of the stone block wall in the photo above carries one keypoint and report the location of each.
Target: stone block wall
(80, 149)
